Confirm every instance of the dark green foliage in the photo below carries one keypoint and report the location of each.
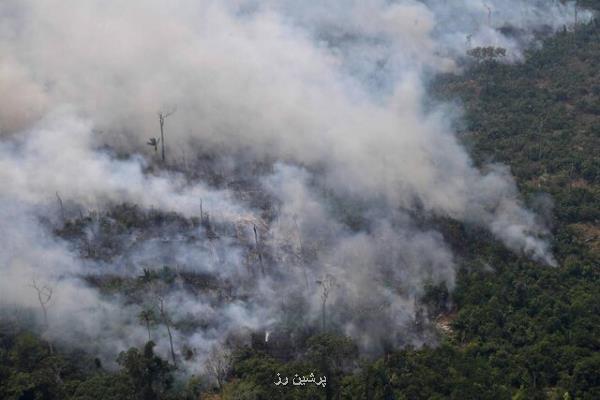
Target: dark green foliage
(29, 370)
(103, 386)
(255, 372)
(445, 372)
(147, 373)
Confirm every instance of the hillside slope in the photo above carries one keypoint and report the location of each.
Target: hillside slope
(512, 328)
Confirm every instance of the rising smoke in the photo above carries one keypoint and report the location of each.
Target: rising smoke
(329, 95)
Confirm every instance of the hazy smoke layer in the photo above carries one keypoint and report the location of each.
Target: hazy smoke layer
(332, 91)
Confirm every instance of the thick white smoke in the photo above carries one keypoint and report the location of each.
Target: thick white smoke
(334, 91)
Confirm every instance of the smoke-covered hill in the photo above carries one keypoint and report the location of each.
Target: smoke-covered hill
(284, 180)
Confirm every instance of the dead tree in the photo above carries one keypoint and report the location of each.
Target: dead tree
(301, 250)
(61, 206)
(419, 316)
(489, 14)
(327, 283)
(218, 364)
(44, 294)
(167, 321)
(162, 116)
(258, 250)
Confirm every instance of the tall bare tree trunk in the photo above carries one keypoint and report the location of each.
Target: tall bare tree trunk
(62, 208)
(258, 250)
(161, 119)
(162, 137)
(148, 328)
(167, 323)
(171, 344)
(44, 295)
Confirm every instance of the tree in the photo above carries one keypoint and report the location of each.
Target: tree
(33, 373)
(105, 386)
(148, 318)
(61, 206)
(149, 375)
(489, 20)
(167, 321)
(258, 250)
(218, 364)
(44, 295)
(586, 378)
(332, 355)
(162, 116)
(327, 283)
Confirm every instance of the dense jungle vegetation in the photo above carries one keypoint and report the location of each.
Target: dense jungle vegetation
(511, 328)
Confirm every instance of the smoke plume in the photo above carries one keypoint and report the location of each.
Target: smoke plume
(321, 149)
